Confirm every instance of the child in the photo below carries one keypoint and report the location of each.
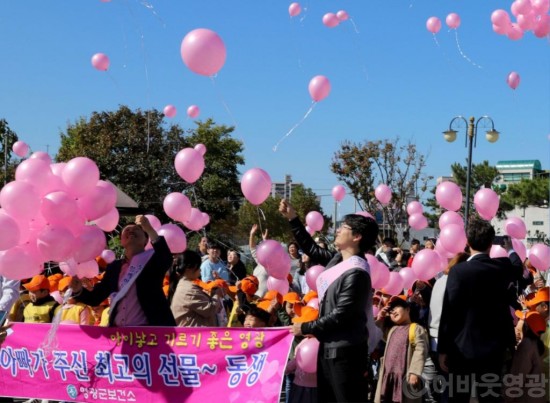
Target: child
(404, 356)
(526, 373)
(73, 312)
(256, 317)
(42, 306)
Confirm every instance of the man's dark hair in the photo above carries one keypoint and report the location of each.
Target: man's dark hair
(364, 226)
(415, 242)
(259, 313)
(389, 240)
(235, 251)
(480, 234)
(214, 245)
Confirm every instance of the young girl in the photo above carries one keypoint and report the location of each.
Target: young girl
(404, 356)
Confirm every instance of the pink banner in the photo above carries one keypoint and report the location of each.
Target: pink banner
(144, 364)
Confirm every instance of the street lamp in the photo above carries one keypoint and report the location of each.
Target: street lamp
(471, 135)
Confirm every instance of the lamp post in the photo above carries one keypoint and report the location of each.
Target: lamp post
(471, 135)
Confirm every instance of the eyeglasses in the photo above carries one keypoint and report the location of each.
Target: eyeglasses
(345, 226)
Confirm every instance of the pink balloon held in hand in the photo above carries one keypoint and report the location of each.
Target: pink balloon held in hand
(100, 61)
(294, 9)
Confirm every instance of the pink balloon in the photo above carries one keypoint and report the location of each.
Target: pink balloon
(433, 24)
(68, 267)
(108, 255)
(203, 51)
(313, 303)
(58, 298)
(527, 22)
(497, 251)
(311, 276)
(89, 244)
(418, 221)
(330, 20)
(450, 217)
(383, 194)
(20, 200)
(520, 249)
(256, 185)
(310, 231)
(35, 172)
(10, 234)
(169, 111)
(80, 175)
(58, 207)
(319, 88)
(193, 111)
(57, 168)
(379, 272)
(365, 214)
(17, 264)
(501, 29)
(306, 355)
(200, 148)
(408, 275)
(315, 220)
(521, 7)
(100, 61)
(88, 269)
(205, 219)
(449, 195)
(414, 207)
(394, 285)
(542, 26)
(500, 18)
(453, 20)
(177, 206)
(513, 80)
(540, 6)
(515, 227)
(109, 221)
(453, 238)
(194, 223)
(174, 236)
(20, 148)
(279, 285)
(342, 15)
(189, 165)
(426, 264)
(539, 256)
(486, 202)
(338, 192)
(294, 9)
(55, 243)
(154, 221)
(41, 155)
(514, 32)
(274, 258)
(443, 253)
(100, 200)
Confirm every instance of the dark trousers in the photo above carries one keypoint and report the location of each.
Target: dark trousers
(479, 377)
(341, 374)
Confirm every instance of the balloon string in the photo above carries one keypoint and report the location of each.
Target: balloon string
(50, 341)
(354, 26)
(463, 54)
(304, 14)
(435, 40)
(152, 9)
(276, 146)
(260, 219)
(222, 100)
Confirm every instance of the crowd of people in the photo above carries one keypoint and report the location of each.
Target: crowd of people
(479, 329)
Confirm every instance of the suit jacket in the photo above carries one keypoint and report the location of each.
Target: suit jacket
(149, 287)
(476, 321)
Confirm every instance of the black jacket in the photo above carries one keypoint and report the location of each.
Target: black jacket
(476, 321)
(149, 287)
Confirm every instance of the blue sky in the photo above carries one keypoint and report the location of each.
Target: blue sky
(389, 77)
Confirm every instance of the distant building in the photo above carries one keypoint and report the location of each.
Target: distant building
(515, 171)
(284, 189)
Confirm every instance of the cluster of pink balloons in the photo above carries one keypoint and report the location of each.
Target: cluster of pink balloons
(417, 220)
(531, 15)
(338, 193)
(448, 195)
(332, 20)
(433, 24)
(101, 61)
(256, 185)
(486, 202)
(319, 88)
(44, 215)
(203, 51)
(513, 80)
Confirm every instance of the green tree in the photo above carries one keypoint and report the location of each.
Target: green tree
(363, 166)
(135, 150)
(8, 137)
(527, 192)
(483, 175)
